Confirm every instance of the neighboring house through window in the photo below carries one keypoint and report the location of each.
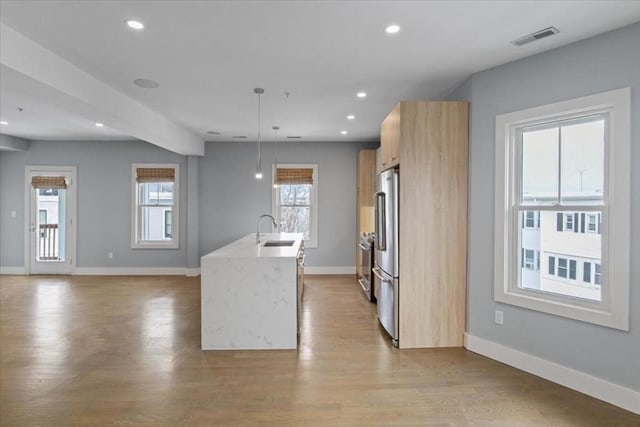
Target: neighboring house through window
(556, 169)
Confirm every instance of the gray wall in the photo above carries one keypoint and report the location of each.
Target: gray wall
(231, 198)
(104, 201)
(602, 63)
(219, 198)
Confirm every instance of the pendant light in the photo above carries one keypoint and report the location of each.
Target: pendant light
(259, 91)
(275, 132)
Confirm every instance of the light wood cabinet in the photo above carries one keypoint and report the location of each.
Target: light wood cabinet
(390, 139)
(366, 185)
(432, 141)
(379, 160)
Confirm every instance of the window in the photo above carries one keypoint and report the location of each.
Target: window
(586, 272)
(528, 260)
(562, 267)
(593, 223)
(155, 206)
(531, 219)
(562, 161)
(295, 189)
(568, 222)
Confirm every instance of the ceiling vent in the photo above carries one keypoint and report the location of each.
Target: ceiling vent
(536, 36)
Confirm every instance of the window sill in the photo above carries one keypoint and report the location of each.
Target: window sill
(595, 313)
(155, 245)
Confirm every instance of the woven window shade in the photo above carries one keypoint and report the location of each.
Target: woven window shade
(294, 176)
(155, 175)
(56, 182)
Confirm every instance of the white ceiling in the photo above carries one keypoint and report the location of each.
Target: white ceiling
(208, 57)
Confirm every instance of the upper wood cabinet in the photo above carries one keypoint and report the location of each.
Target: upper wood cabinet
(379, 160)
(366, 186)
(390, 139)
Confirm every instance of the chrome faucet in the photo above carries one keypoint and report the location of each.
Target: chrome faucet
(258, 225)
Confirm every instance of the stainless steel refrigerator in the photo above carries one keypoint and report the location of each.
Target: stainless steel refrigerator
(386, 271)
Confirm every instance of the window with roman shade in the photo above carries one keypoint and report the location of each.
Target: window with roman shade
(295, 200)
(155, 206)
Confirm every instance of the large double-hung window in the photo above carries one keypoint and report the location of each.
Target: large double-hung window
(565, 168)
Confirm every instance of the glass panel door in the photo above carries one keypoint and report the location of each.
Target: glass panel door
(50, 224)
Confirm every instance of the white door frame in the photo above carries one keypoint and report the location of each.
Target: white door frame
(70, 217)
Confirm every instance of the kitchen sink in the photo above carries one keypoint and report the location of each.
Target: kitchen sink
(271, 243)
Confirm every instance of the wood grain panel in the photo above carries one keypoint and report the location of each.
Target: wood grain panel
(366, 175)
(390, 139)
(379, 160)
(433, 223)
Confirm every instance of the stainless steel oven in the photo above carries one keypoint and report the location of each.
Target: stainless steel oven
(366, 251)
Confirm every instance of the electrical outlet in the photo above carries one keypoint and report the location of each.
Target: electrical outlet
(499, 317)
(110, 255)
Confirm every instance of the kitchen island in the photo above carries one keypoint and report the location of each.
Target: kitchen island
(249, 293)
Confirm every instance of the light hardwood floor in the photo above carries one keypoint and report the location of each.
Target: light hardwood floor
(126, 351)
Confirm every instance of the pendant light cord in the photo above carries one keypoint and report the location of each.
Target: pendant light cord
(259, 92)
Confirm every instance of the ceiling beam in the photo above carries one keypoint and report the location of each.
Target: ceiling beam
(91, 98)
(13, 143)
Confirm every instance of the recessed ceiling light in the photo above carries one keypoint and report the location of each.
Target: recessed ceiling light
(351, 117)
(392, 29)
(213, 132)
(136, 25)
(3, 123)
(98, 124)
(343, 132)
(361, 94)
(146, 83)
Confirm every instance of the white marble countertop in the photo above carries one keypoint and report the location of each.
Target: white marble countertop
(246, 247)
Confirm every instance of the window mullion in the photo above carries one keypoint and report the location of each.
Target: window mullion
(559, 201)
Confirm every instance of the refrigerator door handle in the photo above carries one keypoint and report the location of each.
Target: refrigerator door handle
(379, 275)
(381, 222)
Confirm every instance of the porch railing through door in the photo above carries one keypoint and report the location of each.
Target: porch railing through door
(48, 247)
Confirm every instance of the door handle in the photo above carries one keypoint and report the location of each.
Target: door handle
(377, 273)
(381, 222)
(363, 247)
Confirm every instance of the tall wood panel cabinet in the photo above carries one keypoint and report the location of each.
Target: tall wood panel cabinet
(432, 141)
(366, 186)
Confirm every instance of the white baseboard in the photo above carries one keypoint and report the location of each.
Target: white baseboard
(12, 270)
(192, 272)
(329, 270)
(136, 271)
(600, 389)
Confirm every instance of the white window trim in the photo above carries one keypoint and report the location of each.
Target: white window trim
(313, 242)
(174, 243)
(613, 311)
